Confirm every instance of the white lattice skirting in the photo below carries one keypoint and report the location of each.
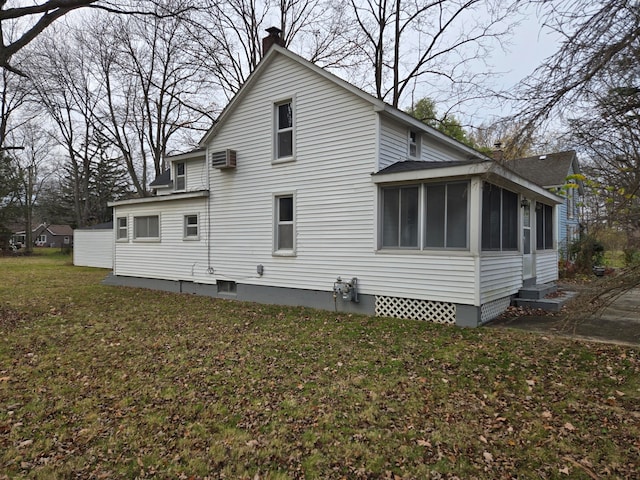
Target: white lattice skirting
(427, 310)
(490, 310)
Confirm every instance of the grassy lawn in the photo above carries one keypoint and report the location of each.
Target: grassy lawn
(107, 382)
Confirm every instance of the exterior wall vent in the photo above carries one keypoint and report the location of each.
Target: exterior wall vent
(224, 159)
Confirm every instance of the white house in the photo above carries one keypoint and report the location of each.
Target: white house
(308, 191)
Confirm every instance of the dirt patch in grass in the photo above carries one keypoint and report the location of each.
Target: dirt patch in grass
(129, 383)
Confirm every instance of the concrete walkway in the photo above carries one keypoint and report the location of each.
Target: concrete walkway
(618, 323)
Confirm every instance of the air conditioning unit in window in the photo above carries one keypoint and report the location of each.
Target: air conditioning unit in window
(224, 159)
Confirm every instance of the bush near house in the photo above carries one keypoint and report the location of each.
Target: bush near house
(108, 382)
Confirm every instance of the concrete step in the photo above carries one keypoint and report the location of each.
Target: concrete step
(552, 304)
(536, 292)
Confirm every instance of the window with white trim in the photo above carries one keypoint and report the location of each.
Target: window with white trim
(146, 228)
(41, 239)
(446, 222)
(544, 226)
(191, 227)
(400, 210)
(284, 241)
(284, 130)
(499, 218)
(443, 218)
(571, 203)
(181, 177)
(123, 231)
(414, 144)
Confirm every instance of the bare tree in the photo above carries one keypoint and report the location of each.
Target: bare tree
(230, 35)
(29, 21)
(32, 165)
(64, 89)
(428, 41)
(153, 88)
(596, 37)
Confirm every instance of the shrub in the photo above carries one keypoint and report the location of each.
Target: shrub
(587, 252)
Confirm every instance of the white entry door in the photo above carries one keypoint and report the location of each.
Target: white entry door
(527, 257)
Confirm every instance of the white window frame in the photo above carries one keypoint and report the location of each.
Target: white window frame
(138, 238)
(413, 142)
(180, 177)
(423, 221)
(277, 131)
(122, 231)
(571, 203)
(187, 226)
(42, 238)
(503, 213)
(284, 252)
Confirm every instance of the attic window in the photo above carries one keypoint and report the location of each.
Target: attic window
(180, 176)
(414, 144)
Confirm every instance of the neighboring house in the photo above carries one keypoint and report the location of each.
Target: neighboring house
(309, 191)
(558, 173)
(93, 246)
(47, 236)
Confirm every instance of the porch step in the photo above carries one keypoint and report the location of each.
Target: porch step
(536, 292)
(551, 304)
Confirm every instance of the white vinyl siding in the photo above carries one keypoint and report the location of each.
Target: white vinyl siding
(93, 248)
(500, 276)
(546, 266)
(173, 258)
(394, 146)
(335, 204)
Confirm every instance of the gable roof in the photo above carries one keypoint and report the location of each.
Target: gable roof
(162, 180)
(60, 230)
(377, 104)
(549, 170)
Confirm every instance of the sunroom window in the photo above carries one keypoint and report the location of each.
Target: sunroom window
(499, 218)
(544, 226)
(446, 215)
(441, 216)
(400, 216)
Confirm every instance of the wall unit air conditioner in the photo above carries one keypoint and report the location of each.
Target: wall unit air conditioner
(224, 159)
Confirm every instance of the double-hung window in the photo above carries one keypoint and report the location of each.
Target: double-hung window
(499, 219)
(544, 226)
(284, 130)
(284, 228)
(191, 228)
(123, 232)
(146, 228)
(181, 177)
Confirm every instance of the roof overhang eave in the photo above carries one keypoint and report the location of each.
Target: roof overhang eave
(160, 198)
(491, 171)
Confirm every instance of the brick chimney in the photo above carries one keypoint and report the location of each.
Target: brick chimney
(274, 37)
(498, 153)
